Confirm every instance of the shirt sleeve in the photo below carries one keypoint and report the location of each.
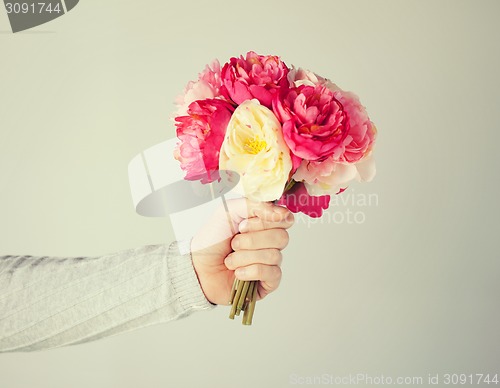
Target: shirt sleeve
(48, 302)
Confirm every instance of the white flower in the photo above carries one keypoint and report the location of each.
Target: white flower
(254, 147)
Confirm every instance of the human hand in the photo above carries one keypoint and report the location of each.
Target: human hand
(245, 242)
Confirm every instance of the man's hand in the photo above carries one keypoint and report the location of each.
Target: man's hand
(245, 242)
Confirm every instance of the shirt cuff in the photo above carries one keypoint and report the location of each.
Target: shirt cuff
(185, 284)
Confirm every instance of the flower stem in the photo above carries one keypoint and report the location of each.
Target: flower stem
(242, 296)
(289, 185)
(251, 307)
(236, 298)
(248, 298)
(233, 290)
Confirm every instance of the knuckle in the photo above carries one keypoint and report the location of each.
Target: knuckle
(275, 256)
(274, 218)
(241, 241)
(259, 272)
(277, 273)
(258, 224)
(236, 259)
(283, 238)
(247, 240)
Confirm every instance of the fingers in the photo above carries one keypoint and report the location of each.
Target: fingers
(269, 212)
(269, 275)
(242, 208)
(257, 248)
(245, 258)
(255, 224)
(262, 239)
(257, 256)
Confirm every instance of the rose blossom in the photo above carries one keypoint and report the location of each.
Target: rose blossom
(255, 76)
(297, 199)
(319, 123)
(331, 177)
(201, 134)
(254, 147)
(207, 86)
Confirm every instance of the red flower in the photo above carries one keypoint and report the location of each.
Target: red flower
(297, 199)
(319, 123)
(201, 134)
(256, 76)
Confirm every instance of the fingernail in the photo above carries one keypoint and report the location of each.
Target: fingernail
(228, 262)
(290, 217)
(235, 244)
(243, 227)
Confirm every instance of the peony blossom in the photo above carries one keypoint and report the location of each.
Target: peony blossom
(254, 147)
(201, 134)
(314, 123)
(297, 199)
(331, 177)
(206, 87)
(298, 77)
(362, 132)
(319, 123)
(255, 76)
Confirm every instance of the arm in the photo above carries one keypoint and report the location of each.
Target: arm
(48, 302)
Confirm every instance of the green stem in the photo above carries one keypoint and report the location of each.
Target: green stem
(242, 296)
(251, 307)
(233, 290)
(248, 298)
(289, 185)
(236, 298)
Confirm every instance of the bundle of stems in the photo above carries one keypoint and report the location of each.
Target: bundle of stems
(244, 292)
(243, 298)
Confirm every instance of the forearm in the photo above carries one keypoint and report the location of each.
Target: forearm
(50, 302)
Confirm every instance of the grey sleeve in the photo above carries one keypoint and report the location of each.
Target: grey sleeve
(48, 302)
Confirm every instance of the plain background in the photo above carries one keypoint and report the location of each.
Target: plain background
(411, 291)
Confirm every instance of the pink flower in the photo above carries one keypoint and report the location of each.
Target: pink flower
(313, 122)
(297, 199)
(298, 77)
(256, 76)
(332, 177)
(362, 132)
(207, 86)
(319, 123)
(201, 134)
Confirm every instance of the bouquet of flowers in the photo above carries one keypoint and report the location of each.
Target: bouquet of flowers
(293, 136)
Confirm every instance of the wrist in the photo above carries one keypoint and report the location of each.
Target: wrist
(196, 259)
(187, 288)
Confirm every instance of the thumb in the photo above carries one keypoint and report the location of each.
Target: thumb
(224, 223)
(242, 208)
